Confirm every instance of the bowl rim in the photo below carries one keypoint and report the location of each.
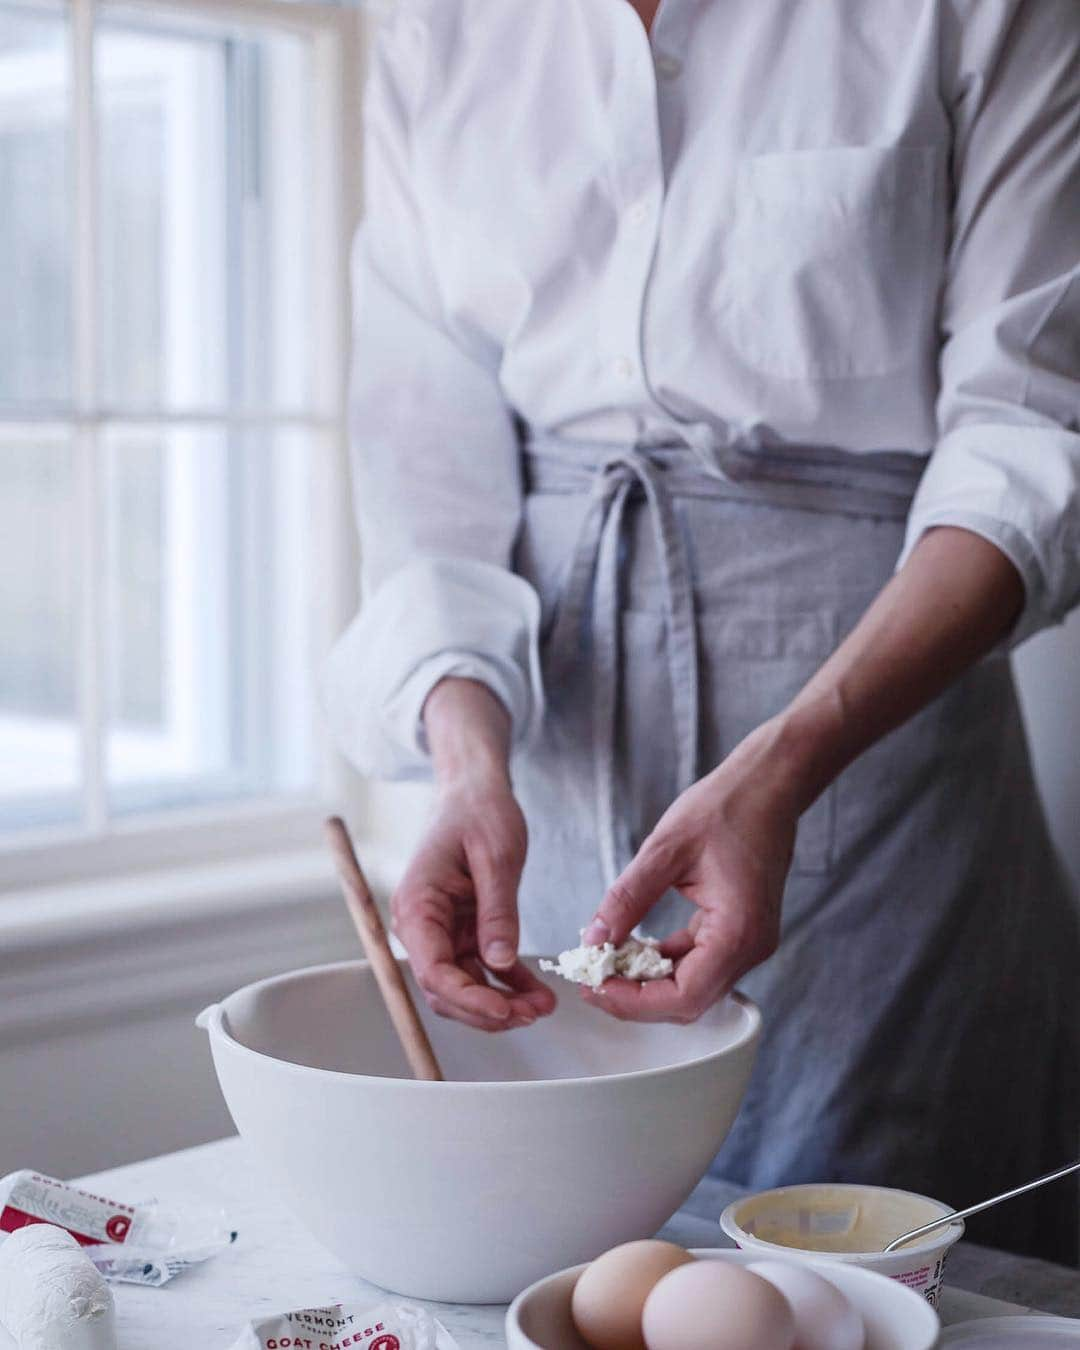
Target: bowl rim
(946, 1238)
(513, 1312)
(212, 1020)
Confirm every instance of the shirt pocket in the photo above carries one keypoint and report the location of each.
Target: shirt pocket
(830, 272)
(752, 666)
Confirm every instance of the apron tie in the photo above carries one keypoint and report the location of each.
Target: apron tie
(811, 478)
(592, 583)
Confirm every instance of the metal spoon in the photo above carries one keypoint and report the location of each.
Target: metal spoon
(976, 1209)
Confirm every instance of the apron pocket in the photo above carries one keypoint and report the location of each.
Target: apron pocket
(752, 666)
(829, 273)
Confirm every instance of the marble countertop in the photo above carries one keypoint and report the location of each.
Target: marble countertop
(275, 1266)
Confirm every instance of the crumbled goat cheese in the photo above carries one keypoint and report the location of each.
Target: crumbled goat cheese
(636, 959)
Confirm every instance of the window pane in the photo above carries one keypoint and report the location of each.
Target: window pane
(209, 667)
(161, 117)
(205, 204)
(35, 192)
(39, 739)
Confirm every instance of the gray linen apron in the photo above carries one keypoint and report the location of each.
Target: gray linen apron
(922, 1014)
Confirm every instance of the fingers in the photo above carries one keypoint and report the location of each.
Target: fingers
(459, 894)
(528, 998)
(457, 987)
(485, 1024)
(720, 955)
(424, 923)
(633, 894)
(535, 992)
(676, 945)
(496, 866)
(460, 992)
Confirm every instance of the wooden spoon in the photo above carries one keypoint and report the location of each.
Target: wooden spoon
(368, 923)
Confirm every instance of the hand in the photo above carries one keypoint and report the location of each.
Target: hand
(456, 909)
(726, 844)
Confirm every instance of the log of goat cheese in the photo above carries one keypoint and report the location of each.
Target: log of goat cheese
(52, 1297)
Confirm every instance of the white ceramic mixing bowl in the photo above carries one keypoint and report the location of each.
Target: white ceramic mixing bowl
(547, 1146)
(894, 1317)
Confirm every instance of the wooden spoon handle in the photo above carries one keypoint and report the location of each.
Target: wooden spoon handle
(368, 923)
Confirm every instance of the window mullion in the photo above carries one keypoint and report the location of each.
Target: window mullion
(337, 123)
(84, 208)
(86, 433)
(92, 626)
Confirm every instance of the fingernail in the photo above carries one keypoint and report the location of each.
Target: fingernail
(596, 934)
(499, 953)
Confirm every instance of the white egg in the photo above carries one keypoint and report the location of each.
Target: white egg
(824, 1319)
(717, 1305)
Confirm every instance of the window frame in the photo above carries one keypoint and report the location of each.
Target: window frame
(96, 845)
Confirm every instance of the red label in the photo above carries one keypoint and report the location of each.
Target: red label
(11, 1220)
(88, 1218)
(386, 1343)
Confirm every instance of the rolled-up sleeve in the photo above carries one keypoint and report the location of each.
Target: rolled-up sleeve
(1007, 461)
(436, 469)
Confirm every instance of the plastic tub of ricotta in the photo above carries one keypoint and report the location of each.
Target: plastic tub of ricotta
(848, 1223)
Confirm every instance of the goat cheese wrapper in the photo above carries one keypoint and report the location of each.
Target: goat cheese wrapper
(348, 1326)
(145, 1244)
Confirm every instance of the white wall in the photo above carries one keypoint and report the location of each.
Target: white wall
(100, 1059)
(1048, 673)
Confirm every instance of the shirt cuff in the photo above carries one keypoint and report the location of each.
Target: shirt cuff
(436, 617)
(1017, 486)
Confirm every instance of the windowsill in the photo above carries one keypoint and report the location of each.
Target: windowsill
(46, 916)
(79, 956)
(166, 843)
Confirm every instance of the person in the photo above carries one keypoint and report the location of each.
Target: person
(716, 413)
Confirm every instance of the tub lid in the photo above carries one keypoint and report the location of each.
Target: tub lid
(1006, 1333)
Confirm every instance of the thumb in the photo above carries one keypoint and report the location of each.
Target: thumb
(631, 896)
(496, 874)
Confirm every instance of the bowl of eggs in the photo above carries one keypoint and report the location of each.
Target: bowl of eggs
(543, 1148)
(656, 1296)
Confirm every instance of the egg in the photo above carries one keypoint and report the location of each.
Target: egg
(716, 1305)
(824, 1319)
(610, 1293)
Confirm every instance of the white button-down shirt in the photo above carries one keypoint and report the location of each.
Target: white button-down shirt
(847, 223)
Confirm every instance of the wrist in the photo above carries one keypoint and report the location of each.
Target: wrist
(468, 732)
(799, 752)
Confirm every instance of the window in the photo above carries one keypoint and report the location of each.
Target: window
(172, 286)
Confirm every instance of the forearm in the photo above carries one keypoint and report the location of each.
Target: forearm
(953, 601)
(468, 731)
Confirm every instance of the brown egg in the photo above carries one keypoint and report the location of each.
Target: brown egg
(610, 1293)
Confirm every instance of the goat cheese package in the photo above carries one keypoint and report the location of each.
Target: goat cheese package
(349, 1326)
(137, 1244)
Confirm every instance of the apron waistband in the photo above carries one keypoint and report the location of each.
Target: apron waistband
(816, 479)
(807, 478)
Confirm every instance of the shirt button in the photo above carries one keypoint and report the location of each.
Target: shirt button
(623, 367)
(668, 66)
